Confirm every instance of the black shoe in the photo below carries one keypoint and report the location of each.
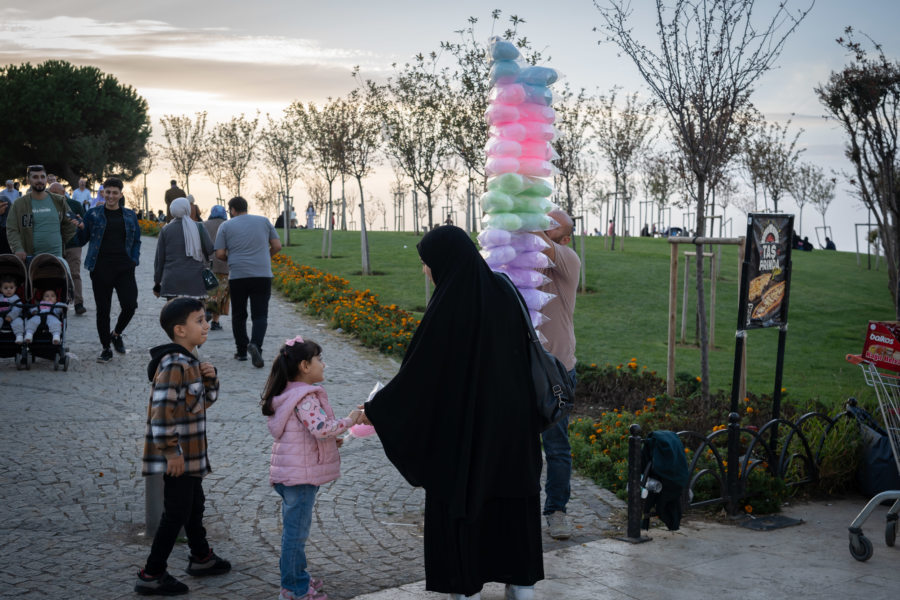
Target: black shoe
(117, 342)
(105, 356)
(164, 585)
(211, 565)
(80, 309)
(255, 355)
(215, 326)
(240, 357)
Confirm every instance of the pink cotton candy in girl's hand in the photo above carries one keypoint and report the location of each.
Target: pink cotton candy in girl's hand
(362, 431)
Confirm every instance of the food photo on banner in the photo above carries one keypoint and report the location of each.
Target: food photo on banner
(769, 258)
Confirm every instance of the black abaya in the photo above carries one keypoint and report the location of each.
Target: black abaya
(459, 419)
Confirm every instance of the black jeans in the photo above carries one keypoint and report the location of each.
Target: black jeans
(105, 278)
(183, 503)
(258, 290)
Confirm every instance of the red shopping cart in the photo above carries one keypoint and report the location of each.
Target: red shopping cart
(887, 390)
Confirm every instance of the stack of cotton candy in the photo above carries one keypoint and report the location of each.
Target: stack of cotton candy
(519, 156)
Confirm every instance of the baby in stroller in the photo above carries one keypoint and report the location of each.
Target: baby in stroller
(49, 311)
(11, 306)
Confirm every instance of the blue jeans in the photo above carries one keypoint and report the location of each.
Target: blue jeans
(559, 463)
(296, 516)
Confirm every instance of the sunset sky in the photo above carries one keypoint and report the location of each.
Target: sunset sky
(229, 57)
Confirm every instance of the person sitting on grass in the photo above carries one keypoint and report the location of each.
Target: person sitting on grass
(175, 445)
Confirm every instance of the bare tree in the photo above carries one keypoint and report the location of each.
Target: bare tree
(775, 156)
(184, 143)
(623, 134)
(281, 149)
(233, 144)
(215, 169)
(710, 54)
(322, 137)
(821, 194)
(363, 142)
(864, 99)
(804, 186)
(316, 189)
(267, 197)
(660, 180)
(411, 105)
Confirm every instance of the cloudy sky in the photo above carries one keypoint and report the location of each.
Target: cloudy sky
(229, 57)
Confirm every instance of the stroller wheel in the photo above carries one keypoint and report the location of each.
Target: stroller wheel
(890, 532)
(860, 547)
(66, 363)
(56, 363)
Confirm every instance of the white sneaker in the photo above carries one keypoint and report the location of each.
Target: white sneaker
(560, 528)
(19, 338)
(29, 335)
(475, 596)
(519, 592)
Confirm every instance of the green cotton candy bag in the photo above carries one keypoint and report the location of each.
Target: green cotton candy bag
(531, 204)
(534, 222)
(508, 183)
(506, 221)
(494, 201)
(535, 186)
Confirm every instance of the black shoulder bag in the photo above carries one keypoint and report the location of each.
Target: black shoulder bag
(553, 388)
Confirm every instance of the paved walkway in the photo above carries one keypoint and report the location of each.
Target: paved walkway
(72, 498)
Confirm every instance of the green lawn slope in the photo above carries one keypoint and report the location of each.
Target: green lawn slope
(624, 312)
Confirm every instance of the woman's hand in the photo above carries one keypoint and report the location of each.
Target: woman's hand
(355, 415)
(364, 419)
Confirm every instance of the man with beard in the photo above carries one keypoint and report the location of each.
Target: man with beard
(37, 222)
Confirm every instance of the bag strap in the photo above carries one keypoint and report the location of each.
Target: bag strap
(532, 334)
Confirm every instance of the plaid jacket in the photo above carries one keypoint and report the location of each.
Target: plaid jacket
(176, 417)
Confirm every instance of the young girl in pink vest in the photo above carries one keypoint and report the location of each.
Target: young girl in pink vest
(304, 454)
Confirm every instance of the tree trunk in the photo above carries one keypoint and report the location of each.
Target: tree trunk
(363, 235)
(343, 206)
(187, 183)
(701, 297)
(428, 204)
(326, 229)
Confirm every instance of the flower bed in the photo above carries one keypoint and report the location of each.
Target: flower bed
(386, 328)
(150, 228)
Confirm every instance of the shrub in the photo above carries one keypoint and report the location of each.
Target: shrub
(150, 228)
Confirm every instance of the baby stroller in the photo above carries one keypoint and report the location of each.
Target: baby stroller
(12, 265)
(48, 272)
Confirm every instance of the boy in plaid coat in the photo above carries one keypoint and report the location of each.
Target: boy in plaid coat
(175, 444)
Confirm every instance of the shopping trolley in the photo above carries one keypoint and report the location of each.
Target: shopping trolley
(887, 389)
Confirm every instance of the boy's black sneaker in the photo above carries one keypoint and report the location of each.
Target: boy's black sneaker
(239, 356)
(105, 356)
(80, 309)
(117, 342)
(211, 565)
(255, 355)
(164, 585)
(215, 326)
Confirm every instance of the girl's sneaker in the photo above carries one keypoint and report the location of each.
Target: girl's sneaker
(311, 594)
(519, 592)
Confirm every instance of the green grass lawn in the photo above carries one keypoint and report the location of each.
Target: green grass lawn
(624, 313)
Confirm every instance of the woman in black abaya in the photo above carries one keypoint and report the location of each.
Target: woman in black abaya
(459, 419)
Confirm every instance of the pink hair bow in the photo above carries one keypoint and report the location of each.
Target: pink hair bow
(296, 340)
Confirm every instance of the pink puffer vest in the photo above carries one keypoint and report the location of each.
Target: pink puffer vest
(298, 457)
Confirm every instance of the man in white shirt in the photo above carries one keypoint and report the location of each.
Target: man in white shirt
(81, 193)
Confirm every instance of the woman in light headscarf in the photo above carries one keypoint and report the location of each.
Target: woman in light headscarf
(182, 252)
(218, 303)
(195, 210)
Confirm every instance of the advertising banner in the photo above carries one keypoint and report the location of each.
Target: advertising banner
(769, 258)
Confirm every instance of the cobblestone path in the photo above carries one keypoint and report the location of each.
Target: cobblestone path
(72, 497)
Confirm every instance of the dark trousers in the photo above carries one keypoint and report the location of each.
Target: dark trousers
(258, 290)
(104, 279)
(183, 503)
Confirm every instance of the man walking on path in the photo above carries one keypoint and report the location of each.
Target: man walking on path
(113, 255)
(560, 334)
(72, 251)
(37, 222)
(173, 193)
(247, 243)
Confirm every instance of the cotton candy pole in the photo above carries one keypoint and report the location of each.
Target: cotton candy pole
(519, 155)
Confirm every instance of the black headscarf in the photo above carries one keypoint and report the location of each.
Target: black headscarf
(459, 418)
